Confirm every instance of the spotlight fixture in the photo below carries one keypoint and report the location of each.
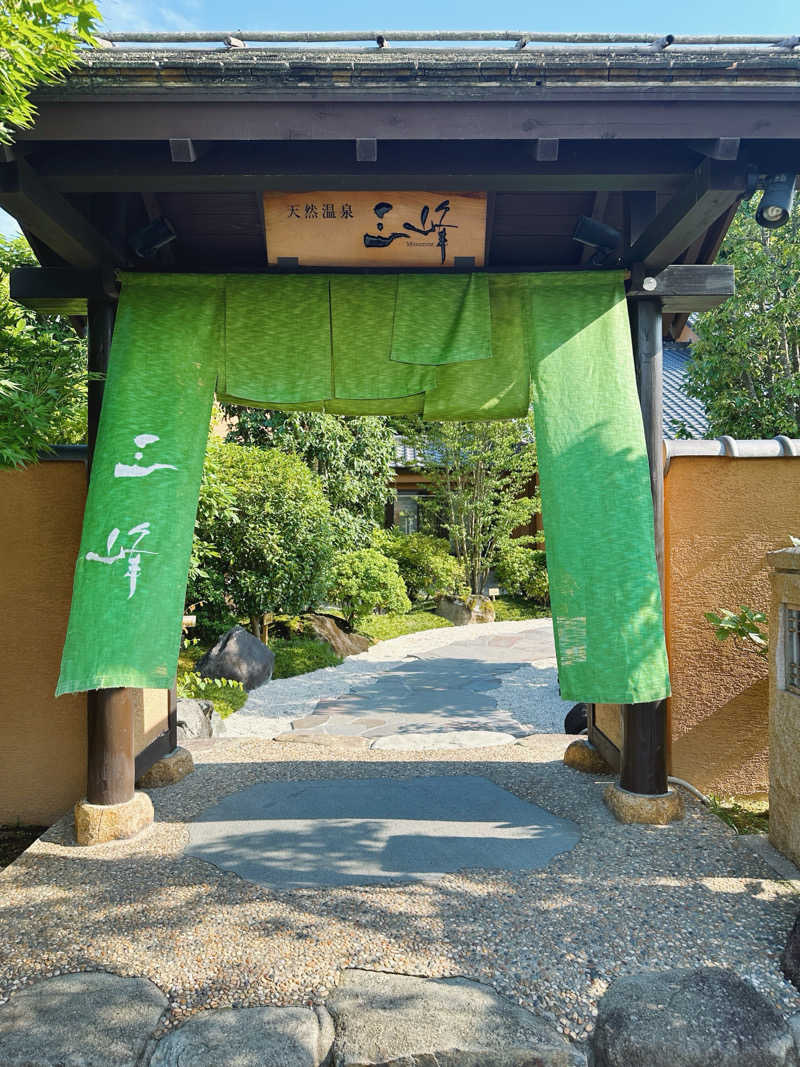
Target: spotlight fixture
(147, 241)
(776, 203)
(598, 235)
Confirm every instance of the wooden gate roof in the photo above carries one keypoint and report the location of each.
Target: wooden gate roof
(659, 140)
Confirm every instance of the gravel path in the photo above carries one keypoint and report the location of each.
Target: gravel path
(625, 898)
(506, 683)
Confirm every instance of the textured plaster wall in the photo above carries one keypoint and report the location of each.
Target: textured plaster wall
(43, 740)
(722, 516)
(784, 725)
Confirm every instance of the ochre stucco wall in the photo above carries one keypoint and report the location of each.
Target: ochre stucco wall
(722, 516)
(43, 740)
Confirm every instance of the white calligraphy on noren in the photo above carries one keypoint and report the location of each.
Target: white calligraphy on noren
(133, 470)
(133, 553)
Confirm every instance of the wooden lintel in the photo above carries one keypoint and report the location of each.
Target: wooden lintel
(710, 191)
(683, 287)
(718, 147)
(53, 291)
(44, 212)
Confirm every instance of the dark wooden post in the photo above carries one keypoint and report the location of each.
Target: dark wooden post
(643, 765)
(110, 765)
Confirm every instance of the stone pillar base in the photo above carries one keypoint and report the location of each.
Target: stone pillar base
(97, 823)
(637, 807)
(581, 755)
(168, 770)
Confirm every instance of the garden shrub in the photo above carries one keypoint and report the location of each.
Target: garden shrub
(522, 571)
(365, 580)
(264, 531)
(425, 563)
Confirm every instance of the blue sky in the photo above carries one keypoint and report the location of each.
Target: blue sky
(685, 16)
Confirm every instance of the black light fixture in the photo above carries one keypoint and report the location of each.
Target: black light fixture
(598, 235)
(147, 241)
(776, 203)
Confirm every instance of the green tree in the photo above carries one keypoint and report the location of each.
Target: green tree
(480, 474)
(425, 563)
(42, 374)
(364, 580)
(39, 41)
(352, 456)
(746, 363)
(265, 518)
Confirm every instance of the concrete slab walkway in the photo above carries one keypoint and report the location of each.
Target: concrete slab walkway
(461, 687)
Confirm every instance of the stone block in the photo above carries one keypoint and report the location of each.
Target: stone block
(91, 1019)
(638, 808)
(168, 770)
(98, 823)
(708, 1017)
(581, 755)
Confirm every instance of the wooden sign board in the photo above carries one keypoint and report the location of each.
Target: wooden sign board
(375, 229)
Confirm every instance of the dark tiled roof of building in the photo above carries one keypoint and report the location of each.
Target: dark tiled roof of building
(680, 409)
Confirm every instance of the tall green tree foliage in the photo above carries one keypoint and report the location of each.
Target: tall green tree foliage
(263, 535)
(352, 456)
(480, 473)
(39, 40)
(42, 374)
(746, 365)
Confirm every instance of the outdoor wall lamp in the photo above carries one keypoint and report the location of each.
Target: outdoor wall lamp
(147, 241)
(597, 235)
(776, 203)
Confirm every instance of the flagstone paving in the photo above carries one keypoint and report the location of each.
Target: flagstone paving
(464, 687)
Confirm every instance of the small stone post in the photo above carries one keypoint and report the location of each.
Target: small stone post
(784, 702)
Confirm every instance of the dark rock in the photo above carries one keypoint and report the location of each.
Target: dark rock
(240, 656)
(464, 610)
(576, 720)
(708, 1017)
(397, 1020)
(194, 719)
(790, 960)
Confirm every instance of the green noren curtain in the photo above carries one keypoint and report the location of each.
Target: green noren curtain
(469, 346)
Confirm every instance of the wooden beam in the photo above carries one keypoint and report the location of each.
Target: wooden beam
(56, 291)
(683, 287)
(45, 212)
(640, 210)
(712, 189)
(599, 208)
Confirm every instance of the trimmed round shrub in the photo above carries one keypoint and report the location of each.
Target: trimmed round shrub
(522, 571)
(263, 537)
(425, 563)
(365, 580)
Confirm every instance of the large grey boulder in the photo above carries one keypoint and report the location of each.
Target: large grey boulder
(240, 656)
(92, 1019)
(790, 960)
(462, 611)
(194, 719)
(248, 1037)
(397, 1020)
(707, 1017)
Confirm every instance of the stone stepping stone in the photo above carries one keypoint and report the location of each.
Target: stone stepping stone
(289, 835)
(707, 1017)
(449, 739)
(397, 1020)
(92, 1019)
(248, 1037)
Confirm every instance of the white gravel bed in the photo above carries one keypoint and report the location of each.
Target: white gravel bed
(625, 899)
(530, 694)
